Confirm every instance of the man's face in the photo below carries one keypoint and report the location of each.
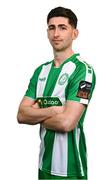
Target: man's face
(61, 33)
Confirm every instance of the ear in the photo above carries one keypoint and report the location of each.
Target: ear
(75, 33)
(47, 32)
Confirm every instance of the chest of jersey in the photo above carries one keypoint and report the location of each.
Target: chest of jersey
(52, 84)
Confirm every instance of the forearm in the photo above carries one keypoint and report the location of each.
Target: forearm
(31, 115)
(67, 120)
(56, 122)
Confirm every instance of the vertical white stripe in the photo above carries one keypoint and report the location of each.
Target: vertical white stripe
(42, 147)
(60, 148)
(59, 157)
(59, 90)
(77, 142)
(40, 90)
(41, 84)
(89, 75)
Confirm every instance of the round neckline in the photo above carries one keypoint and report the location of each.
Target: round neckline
(65, 61)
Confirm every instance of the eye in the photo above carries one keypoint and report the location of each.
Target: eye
(63, 28)
(51, 27)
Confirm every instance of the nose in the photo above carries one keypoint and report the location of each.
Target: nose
(56, 33)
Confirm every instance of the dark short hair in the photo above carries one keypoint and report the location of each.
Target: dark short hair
(63, 12)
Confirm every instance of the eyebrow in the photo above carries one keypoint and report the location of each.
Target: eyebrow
(59, 25)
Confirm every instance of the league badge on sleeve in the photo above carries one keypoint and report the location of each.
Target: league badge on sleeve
(84, 90)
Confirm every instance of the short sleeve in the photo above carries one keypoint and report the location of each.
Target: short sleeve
(81, 84)
(31, 90)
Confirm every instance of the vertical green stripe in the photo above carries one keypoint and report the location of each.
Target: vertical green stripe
(73, 157)
(48, 142)
(51, 81)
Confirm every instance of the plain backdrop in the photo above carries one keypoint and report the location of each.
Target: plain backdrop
(23, 47)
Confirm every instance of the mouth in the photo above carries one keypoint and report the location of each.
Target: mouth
(56, 41)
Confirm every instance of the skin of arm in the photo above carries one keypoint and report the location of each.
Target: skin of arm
(67, 120)
(30, 113)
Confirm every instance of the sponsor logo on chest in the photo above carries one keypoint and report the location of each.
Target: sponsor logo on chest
(48, 101)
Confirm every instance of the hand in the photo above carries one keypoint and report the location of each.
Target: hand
(35, 105)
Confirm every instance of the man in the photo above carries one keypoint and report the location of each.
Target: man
(57, 98)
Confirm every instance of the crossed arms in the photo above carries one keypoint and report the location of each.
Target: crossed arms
(58, 118)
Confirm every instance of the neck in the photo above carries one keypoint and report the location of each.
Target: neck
(60, 56)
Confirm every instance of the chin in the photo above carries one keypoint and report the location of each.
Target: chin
(57, 48)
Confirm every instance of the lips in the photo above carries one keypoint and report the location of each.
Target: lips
(57, 41)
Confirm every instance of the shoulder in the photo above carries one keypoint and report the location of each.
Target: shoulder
(82, 64)
(83, 69)
(39, 68)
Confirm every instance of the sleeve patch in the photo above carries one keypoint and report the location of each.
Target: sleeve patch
(84, 90)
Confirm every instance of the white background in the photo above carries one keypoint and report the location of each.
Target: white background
(24, 46)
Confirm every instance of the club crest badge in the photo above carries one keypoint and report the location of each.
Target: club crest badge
(63, 79)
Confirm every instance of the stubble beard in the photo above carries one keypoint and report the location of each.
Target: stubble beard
(61, 48)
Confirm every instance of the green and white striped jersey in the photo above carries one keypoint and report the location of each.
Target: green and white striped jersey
(63, 154)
